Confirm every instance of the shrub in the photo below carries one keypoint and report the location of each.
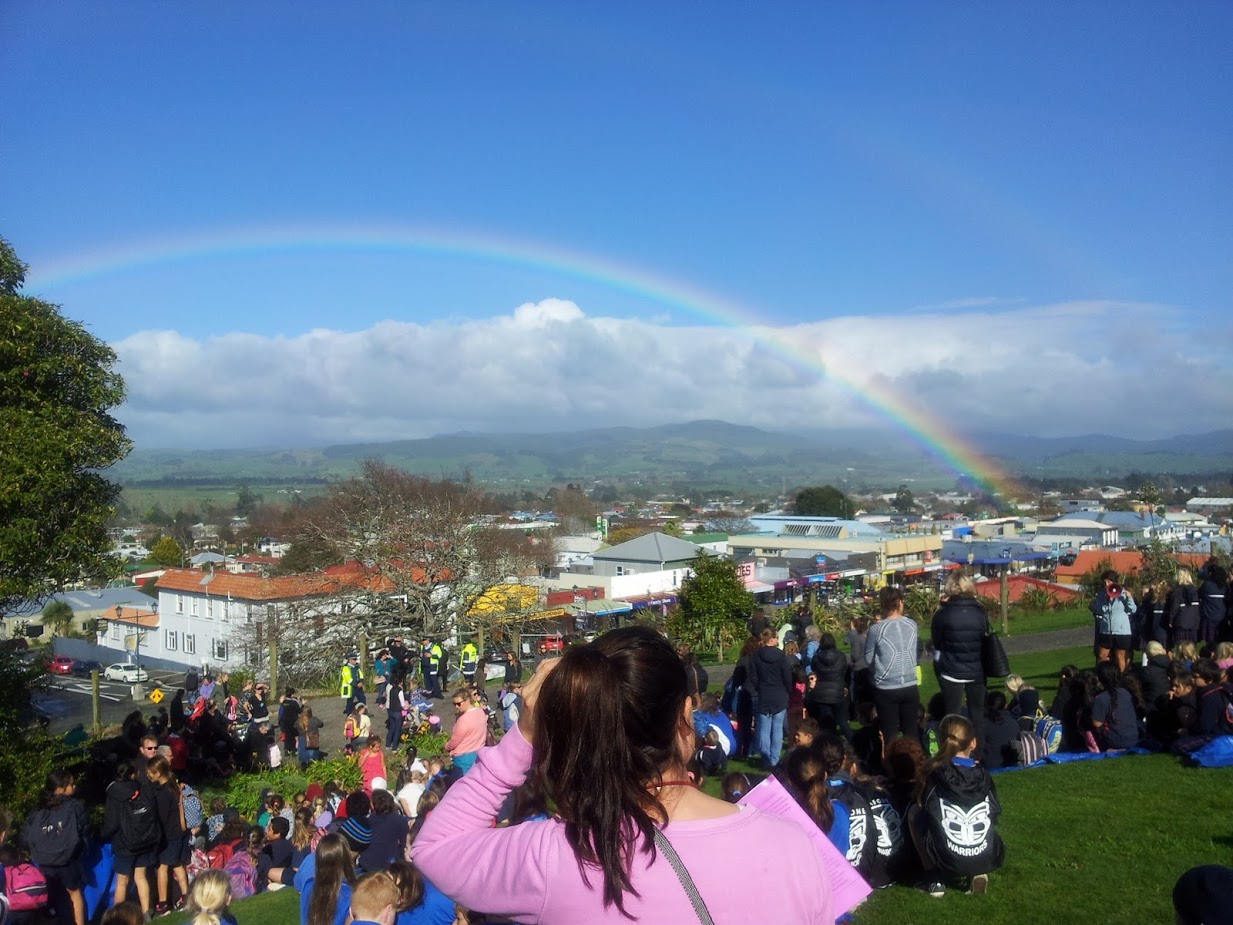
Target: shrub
(429, 744)
(1038, 600)
(244, 790)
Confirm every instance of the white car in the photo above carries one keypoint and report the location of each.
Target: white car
(121, 671)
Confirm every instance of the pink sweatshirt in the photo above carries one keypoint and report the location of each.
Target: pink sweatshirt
(750, 867)
(470, 732)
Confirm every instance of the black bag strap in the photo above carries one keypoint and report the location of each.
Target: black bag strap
(687, 882)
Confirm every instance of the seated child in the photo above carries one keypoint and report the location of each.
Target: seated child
(711, 757)
(806, 732)
(374, 898)
(954, 822)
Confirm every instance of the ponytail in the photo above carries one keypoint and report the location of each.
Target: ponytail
(209, 897)
(608, 722)
(955, 734)
(807, 777)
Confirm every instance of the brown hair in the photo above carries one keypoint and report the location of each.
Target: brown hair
(807, 780)
(334, 866)
(609, 720)
(410, 884)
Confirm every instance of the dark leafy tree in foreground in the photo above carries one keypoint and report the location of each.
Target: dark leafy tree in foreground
(57, 388)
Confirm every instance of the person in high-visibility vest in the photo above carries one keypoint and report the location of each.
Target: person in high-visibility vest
(351, 672)
(467, 661)
(430, 657)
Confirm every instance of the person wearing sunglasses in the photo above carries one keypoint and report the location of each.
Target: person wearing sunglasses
(470, 730)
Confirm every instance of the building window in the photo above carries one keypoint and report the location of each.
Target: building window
(195, 607)
(209, 608)
(179, 603)
(170, 640)
(115, 631)
(220, 650)
(190, 644)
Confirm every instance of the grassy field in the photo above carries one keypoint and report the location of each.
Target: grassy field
(1097, 841)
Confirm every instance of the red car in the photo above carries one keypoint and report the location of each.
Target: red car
(61, 664)
(551, 644)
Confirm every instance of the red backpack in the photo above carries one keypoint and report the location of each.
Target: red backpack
(218, 856)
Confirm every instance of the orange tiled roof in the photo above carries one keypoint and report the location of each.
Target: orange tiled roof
(351, 576)
(1124, 562)
(131, 616)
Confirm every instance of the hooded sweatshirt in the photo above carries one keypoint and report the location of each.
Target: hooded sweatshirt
(961, 809)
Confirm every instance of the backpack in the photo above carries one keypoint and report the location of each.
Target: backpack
(1032, 748)
(52, 835)
(25, 886)
(194, 815)
(349, 730)
(218, 856)
(140, 828)
(242, 870)
(198, 861)
(1049, 730)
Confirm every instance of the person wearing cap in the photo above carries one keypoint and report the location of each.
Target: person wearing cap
(430, 664)
(1204, 896)
(351, 672)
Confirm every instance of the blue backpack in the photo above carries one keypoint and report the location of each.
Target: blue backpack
(1049, 729)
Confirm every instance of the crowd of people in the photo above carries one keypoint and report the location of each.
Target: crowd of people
(590, 806)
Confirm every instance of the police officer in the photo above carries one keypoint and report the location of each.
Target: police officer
(351, 672)
(430, 662)
(467, 661)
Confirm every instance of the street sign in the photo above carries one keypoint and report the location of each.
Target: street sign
(156, 696)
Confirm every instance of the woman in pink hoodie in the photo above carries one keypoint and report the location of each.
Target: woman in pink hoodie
(607, 732)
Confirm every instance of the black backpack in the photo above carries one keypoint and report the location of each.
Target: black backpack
(52, 835)
(140, 829)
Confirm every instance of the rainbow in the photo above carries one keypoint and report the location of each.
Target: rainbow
(925, 428)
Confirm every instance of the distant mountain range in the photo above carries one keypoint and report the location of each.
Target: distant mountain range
(697, 454)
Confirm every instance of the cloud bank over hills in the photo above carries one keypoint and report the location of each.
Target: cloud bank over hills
(1070, 368)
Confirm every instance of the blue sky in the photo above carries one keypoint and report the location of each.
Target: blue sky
(946, 199)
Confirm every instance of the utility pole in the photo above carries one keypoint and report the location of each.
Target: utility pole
(1005, 600)
(95, 715)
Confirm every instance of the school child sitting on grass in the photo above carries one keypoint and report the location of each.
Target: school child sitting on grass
(954, 821)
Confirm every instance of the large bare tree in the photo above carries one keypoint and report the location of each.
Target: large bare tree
(431, 549)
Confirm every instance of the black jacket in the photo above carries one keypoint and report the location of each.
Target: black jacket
(958, 628)
(999, 747)
(1184, 608)
(772, 678)
(1211, 602)
(1154, 680)
(961, 811)
(830, 666)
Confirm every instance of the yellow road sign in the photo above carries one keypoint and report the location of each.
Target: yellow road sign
(156, 696)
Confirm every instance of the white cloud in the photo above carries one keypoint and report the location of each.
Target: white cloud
(1068, 368)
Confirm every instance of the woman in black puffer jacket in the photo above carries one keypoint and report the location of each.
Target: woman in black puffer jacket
(826, 700)
(956, 633)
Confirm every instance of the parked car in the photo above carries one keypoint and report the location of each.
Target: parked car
(61, 664)
(497, 655)
(130, 674)
(552, 645)
(83, 667)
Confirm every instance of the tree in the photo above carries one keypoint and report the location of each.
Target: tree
(167, 553)
(59, 616)
(904, 502)
(823, 501)
(57, 387)
(714, 605)
(429, 553)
